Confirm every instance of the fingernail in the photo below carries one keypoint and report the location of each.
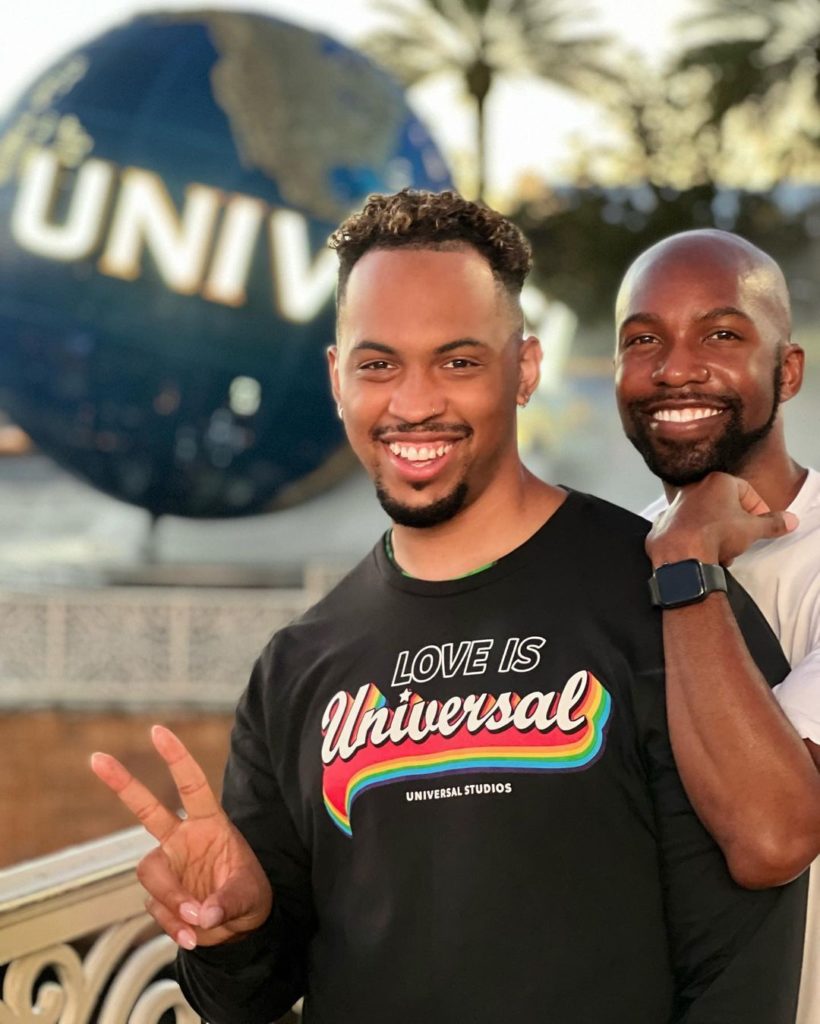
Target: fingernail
(189, 912)
(790, 519)
(210, 917)
(186, 939)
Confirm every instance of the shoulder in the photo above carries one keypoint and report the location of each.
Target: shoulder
(811, 489)
(324, 625)
(345, 598)
(609, 526)
(807, 507)
(291, 670)
(607, 545)
(787, 565)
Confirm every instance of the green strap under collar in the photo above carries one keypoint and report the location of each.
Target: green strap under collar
(388, 549)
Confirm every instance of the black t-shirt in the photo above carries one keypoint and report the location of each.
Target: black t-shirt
(464, 795)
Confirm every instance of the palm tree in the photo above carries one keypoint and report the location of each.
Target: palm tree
(660, 133)
(480, 40)
(755, 49)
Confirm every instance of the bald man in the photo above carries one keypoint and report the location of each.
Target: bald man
(704, 359)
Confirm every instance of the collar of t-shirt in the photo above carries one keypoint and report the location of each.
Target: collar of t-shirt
(388, 550)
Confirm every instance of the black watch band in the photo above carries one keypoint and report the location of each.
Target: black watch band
(676, 584)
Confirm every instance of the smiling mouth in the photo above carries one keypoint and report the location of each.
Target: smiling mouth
(420, 454)
(689, 414)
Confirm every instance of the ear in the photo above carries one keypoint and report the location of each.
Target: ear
(333, 371)
(792, 371)
(529, 368)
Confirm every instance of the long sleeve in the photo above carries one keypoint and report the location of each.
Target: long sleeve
(257, 979)
(736, 953)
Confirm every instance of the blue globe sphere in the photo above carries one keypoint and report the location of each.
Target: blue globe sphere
(166, 297)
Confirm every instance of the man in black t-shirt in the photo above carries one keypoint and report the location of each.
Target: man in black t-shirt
(450, 794)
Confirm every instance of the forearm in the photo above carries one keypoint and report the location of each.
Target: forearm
(258, 978)
(745, 769)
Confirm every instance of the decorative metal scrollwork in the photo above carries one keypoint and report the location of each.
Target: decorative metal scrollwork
(116, 983)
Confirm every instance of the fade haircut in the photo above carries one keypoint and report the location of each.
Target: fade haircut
(416, 219)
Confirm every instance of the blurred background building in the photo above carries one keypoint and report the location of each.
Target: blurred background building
(174, 483)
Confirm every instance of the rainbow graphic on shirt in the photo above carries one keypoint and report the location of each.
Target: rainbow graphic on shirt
(366, 743)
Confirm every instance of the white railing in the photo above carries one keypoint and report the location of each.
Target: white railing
(77, 944)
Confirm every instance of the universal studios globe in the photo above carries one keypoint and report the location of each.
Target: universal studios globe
(166, 192)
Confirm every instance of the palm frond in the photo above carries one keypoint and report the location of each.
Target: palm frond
(480, 40)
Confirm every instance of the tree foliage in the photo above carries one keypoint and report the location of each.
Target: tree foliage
(584, 238)
(763, 62)
(478, 41)
(722, 135)
(752, 47)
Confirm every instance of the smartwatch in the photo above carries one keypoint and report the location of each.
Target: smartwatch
(676, 584)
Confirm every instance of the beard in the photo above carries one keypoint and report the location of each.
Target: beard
(425, 516)
(679, 463)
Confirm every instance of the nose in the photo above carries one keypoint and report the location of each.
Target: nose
(677, 365)
(415, 398)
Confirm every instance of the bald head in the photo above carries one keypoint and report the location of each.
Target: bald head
(711, 254)
(704, 358)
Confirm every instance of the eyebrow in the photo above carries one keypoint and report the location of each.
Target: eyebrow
(640, 318)
(388, 350)
(374, 346)
(720, 311)
(713, 314)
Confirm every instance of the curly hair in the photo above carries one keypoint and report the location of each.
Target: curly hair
(416, 219)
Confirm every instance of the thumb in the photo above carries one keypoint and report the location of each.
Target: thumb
(239, 904)
(777, 524)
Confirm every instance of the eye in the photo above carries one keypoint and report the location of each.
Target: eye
(375, 365)
(724, 334)
(461, 363)
(638, 339)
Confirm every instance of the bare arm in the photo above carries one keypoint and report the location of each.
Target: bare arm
(748, 774)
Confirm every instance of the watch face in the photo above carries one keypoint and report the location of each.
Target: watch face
(680, 582)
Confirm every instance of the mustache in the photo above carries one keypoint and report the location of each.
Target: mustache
(423, 427)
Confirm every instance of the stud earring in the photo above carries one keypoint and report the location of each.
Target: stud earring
(340, 412)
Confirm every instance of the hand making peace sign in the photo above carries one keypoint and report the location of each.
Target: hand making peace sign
(205, 885)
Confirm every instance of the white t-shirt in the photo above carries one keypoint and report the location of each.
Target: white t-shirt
(783, 577)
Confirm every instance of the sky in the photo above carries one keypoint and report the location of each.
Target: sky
(530, 123)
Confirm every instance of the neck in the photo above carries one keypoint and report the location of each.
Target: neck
(483, 531)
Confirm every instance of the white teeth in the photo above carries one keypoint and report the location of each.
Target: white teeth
(422, 453)
(684, 415)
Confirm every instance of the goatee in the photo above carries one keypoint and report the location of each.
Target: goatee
(423, 517)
